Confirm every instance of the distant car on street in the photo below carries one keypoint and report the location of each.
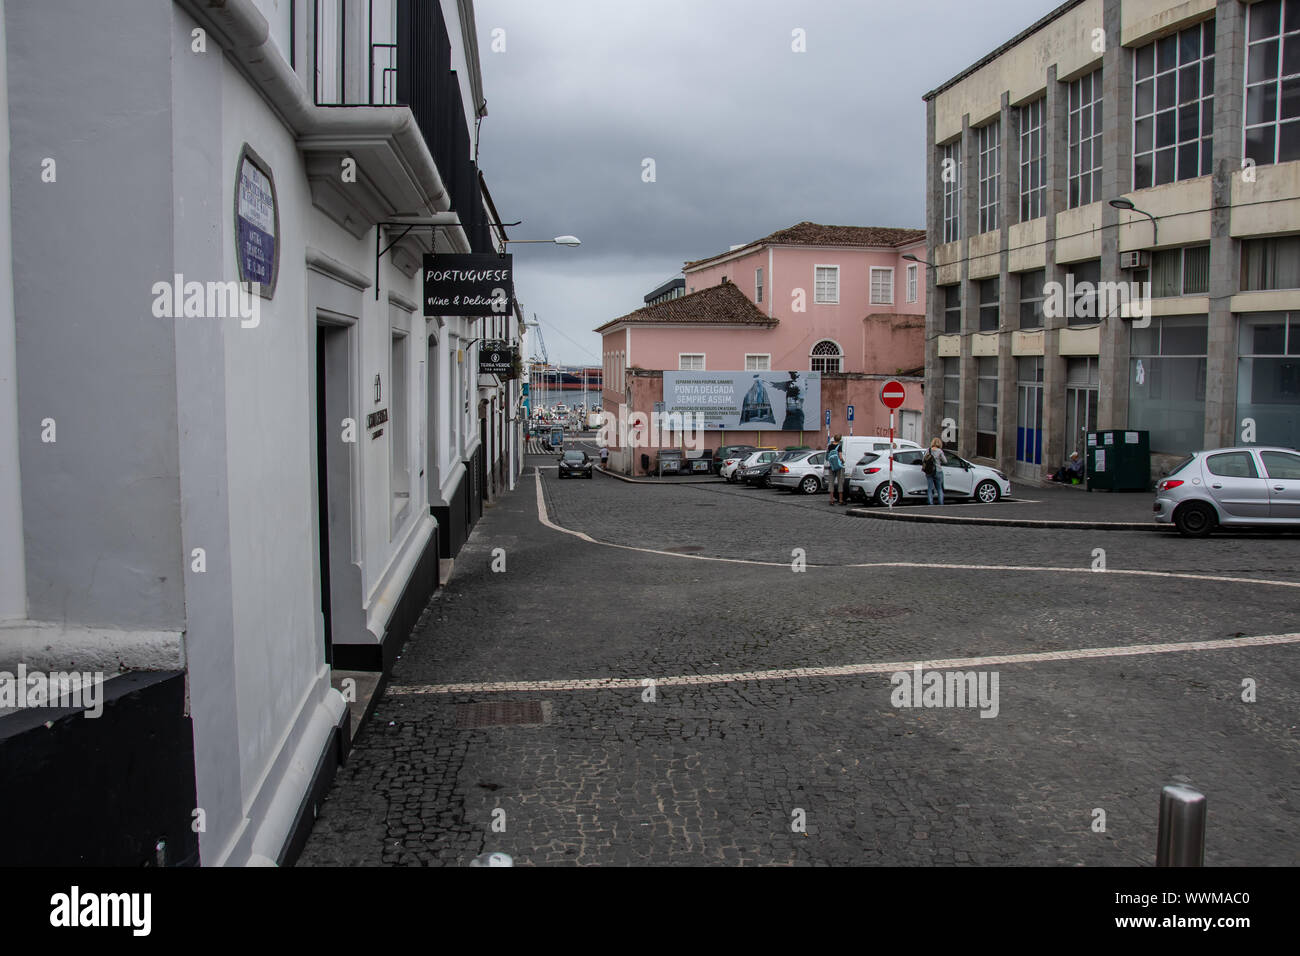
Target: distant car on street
(961, 478)
(805, 472)
(1240, 486)
(575, 463)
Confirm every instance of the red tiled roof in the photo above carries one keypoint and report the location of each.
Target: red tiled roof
(815, 234)
(717, 305)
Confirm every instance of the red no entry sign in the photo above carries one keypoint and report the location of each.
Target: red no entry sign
(892, 394)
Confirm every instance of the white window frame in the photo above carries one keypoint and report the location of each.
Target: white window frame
(1033, 164)
(951, 191)
(1277, 82)
(758, 284)
(913, 282)
(765, 356)
(817, 296)
(890, 290)
(686, 355)
(989, 143)
(1096, 112)
(839, 356)
(1202, 142)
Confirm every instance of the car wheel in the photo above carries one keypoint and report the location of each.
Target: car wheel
(887, 493)
(987, 492)
(810, 485)
(1195, 519)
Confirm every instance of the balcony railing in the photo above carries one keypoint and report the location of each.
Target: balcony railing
(415, 71)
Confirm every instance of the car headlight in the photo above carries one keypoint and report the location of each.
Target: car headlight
(1000, 475)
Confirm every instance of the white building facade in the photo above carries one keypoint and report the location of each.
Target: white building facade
(239, 495)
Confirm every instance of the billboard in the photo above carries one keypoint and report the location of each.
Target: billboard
(747, 401)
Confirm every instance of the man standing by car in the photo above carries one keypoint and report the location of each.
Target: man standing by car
(932, 465)
(835, 462)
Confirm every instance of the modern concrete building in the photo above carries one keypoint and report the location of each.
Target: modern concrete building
(1118, 141)
(227, 498)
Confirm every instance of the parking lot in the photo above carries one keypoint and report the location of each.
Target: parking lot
(773, 693)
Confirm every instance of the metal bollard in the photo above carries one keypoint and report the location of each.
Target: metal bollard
(1181, 837)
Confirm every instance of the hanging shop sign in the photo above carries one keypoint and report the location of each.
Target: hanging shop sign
(496, 358)
(257, 223)
(471, 284)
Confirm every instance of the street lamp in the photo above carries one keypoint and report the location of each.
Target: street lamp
(558, 240)
(911, 258)
(1127, 205)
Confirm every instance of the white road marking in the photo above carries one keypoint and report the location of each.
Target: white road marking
(544, 518)
(847, 670)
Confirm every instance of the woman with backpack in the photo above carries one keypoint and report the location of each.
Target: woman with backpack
(835, 462)
(932, 464)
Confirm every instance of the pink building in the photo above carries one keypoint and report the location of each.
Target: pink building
(837, 300)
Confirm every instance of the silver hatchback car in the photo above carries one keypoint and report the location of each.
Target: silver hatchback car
(1243, 486)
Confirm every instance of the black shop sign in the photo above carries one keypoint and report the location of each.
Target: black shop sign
(496, 358)
(469, 284)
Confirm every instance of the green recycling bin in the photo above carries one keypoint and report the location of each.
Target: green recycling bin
(1119, 459)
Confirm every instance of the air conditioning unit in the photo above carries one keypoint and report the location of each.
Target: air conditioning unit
(1133, 260)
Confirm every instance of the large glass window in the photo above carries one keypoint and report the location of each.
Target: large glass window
(1270, 263)
(1084, 141)
(1033, 160)
(951, 308)
(1167, 368)
(989, 314)
(990, 150)
(1178, 272)
(951, 396)
(986, 407)
(1272, 122)
(1268, 378)
(1031, 299)
(1173, 107)
(950, 172)
(1083, 307)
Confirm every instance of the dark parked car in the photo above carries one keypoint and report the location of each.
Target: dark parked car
(759, 476)
(731, 451)
(575, 464)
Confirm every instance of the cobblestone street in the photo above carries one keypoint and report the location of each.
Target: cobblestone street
(737, 743)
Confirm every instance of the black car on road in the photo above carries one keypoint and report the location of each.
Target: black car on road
(575, 463)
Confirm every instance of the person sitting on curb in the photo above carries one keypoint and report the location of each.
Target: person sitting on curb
(1071, 472)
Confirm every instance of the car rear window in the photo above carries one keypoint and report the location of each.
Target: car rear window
(1181, 465)
(1232, 464)
(907, 457)
(574, 456)
(867, 458)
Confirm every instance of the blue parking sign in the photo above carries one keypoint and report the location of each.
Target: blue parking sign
(850, 413)
(828, 418)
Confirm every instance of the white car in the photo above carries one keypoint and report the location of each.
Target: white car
(804, 472)
(733, 467)
(855, 446)
(961, 478)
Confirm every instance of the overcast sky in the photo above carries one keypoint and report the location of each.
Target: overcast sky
(747, 136)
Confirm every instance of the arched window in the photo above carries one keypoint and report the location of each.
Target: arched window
(826, 356)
